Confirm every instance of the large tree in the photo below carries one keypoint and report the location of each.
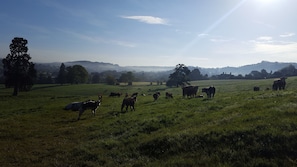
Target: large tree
(19, 72)
(110, 80)
(196, 75)
(77, 74)
(62, 76)
(179, 77)
(127, 77)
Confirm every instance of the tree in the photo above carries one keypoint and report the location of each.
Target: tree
(95, 77)
(179, 76)
(77, 74)
(110, 80)
(44, 78)
(127, 77)
(61, 79)
(288, 71)
(195, 75)
(256, 75)
(19, 72)
(264, 73)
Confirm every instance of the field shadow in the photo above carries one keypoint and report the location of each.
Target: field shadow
(46, 86)
(157, 89)
(70, 120)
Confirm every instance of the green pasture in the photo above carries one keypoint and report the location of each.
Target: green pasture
(239, 127)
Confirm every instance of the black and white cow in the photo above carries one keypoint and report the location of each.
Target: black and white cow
(90, 104)
(156, 95)
(82, 106)
(210, 92)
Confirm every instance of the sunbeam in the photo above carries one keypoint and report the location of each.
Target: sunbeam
(208, 30)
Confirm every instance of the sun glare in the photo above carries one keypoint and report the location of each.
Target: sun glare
(266, 1)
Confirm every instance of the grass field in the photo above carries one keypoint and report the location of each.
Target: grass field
(239, 127)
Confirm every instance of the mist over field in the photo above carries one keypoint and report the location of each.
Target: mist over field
(100, 67)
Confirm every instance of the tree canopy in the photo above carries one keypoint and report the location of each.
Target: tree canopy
(18, 71)
(180, 76)
(127, 77)
(77, 74)
(62, 76)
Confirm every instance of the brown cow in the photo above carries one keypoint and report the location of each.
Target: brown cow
(129, 101)
(190, 91)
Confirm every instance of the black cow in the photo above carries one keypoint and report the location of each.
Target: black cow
(279, 84)
(113, 94)
(169, 95)
(156, 95)
(256, 88)
(190, 91)
(210, 91)
(129, 101)
(135, 94)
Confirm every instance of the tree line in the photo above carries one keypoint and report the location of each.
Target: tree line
(20, 74)
(288, 71)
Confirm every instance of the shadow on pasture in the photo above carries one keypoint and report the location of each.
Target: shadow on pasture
(45, 86)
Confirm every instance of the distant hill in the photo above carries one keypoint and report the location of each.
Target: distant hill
(101, 66)
(268, 66)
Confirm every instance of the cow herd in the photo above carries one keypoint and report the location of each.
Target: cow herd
(129, 101)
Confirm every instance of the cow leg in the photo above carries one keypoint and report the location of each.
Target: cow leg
(122, 107)
(132, 108)
(81, 111)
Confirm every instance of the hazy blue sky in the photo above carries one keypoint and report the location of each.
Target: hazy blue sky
(204, 33)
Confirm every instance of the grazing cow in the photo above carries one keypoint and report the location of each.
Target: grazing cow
(190, 91)
(210, 91)
(279, 84)
(90, 104)
(129, 101)
(74, 106)
(169, 95)
(256, 88)
(134, 94)
(113, 94)
(156, 95)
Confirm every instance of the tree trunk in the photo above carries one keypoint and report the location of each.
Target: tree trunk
(16, 89)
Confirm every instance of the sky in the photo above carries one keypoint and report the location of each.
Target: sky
(200, 33)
